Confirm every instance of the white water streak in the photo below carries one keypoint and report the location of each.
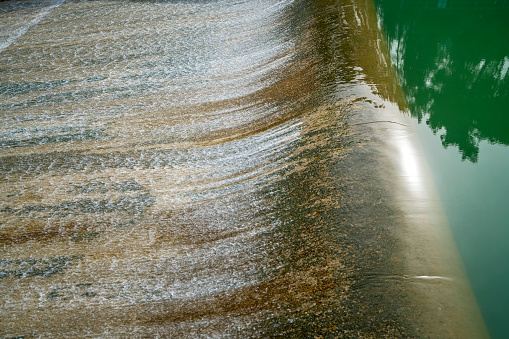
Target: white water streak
(19, 32)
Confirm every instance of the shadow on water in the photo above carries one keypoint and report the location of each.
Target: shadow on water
(453, 60)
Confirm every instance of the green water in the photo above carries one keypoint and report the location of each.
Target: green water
(452, 59)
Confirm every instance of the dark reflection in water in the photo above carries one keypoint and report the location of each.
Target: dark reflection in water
(200, 169)
(453, 62)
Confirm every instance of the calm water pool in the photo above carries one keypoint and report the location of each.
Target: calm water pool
(453, 60)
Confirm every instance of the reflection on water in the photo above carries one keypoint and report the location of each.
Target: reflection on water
(454, 71)
(198, 169)
(453, 64)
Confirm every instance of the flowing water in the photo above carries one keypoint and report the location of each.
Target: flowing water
(454, 73)
(215, 169)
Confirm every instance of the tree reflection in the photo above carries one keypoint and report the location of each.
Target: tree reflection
(453, 63)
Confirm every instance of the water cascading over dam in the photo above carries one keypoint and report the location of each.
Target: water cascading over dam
(214, 168)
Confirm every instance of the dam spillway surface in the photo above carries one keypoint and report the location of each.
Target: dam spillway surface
(213, 169)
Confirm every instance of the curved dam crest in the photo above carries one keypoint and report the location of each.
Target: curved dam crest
(215, 169)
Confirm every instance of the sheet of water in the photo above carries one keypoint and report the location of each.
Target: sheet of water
(214, 168)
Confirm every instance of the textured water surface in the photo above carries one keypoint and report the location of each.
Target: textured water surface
(208, 168)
